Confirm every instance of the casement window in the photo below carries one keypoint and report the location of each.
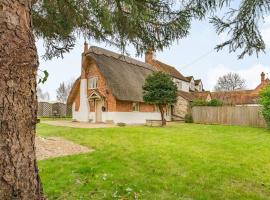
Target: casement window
(92, 83)
(135, 107)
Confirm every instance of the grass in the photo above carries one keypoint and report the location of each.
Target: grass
(179, 162)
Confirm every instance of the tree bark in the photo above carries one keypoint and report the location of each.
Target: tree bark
(163, 120)
(19, 179)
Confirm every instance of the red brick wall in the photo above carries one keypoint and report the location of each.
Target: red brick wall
(126, 106)
(102, 88)
(147, 107)
(111, 103)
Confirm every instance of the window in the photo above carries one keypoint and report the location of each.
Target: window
(135, 107)
(92, 83)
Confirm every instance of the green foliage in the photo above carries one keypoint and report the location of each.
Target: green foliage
(121, 124)
(177, 162)
(159, 89)
(213, 102)
(198, 102)
(44, 77)
(144, 24)
(265, 102)
(188, 118)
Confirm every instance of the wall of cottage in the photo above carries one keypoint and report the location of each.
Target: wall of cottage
(181, 107)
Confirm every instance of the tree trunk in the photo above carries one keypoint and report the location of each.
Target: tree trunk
(163, 120)
(19, 179)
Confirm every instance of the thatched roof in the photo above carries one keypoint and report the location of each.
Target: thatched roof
(124, 76)
(74, 91)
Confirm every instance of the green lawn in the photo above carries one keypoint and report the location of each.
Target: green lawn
(181, 162)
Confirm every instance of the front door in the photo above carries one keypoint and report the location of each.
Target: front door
(98, 111)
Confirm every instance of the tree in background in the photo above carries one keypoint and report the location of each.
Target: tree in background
(230, 82)
(265, 102)
(159, 89)
(241, 23)
(42, 96)
(63, 91)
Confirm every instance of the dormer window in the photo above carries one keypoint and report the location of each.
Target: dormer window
(92, 83)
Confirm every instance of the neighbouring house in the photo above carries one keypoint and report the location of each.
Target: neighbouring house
(184, 100)
(242, 97)
(109, 89)
(198, 85)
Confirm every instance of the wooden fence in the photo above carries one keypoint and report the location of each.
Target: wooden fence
(46, 109)
(229, 115)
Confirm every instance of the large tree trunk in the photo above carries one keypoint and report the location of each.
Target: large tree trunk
(19, 178)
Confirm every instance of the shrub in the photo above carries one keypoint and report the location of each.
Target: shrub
(265, 102)
(215, 102)
(188, 118)
(121, 124)
(199, 102)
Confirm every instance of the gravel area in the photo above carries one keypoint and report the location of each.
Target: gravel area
(57, 147)
(78, 124)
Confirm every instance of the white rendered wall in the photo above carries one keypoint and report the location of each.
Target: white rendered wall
(184, 85)
(83, 114)
(131, 117)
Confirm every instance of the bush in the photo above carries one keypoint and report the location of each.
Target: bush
(188, 118)
(215, 102)
(198, 102)
(265, 102)
(121, 124)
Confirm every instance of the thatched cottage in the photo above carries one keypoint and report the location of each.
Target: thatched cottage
(110, 88)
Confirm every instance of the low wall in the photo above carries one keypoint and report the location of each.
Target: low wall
(229, 115)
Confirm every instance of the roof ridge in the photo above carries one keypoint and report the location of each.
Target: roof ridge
(123, 58)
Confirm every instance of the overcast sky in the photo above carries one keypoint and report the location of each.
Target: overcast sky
(194, 55)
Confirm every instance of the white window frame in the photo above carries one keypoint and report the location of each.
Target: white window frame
(92, 82)
(135, 107)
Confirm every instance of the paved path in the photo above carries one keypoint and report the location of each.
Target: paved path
(77, 124)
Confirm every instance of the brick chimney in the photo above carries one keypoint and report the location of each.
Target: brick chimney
(262, 77)
(84, 105)
(149, 54)
(85, 47)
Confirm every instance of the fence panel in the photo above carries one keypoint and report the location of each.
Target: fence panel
(229, 115)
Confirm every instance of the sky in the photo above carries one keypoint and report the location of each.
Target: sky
(192, 56)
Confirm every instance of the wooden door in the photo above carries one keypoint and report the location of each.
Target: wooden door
(98, 111)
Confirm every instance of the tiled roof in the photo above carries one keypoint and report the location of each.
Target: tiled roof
(160, 66)
(236, 97)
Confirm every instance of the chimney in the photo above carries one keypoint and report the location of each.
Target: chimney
(262, 77)
(149, 56)
(85, 47)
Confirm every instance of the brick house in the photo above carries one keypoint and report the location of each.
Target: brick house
(242, 97)
(109, 89)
